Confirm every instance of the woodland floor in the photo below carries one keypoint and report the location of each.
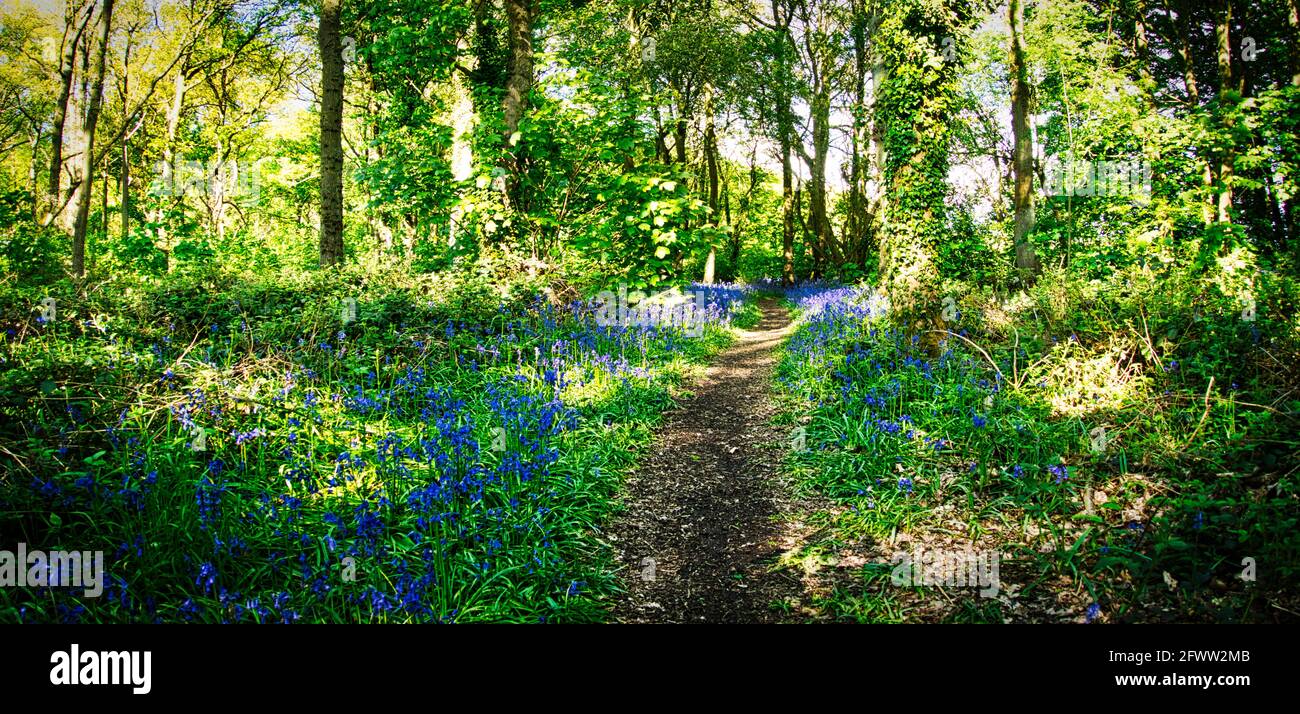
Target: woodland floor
(712, 529)
(706, 512)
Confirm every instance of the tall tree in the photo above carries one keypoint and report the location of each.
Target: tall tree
(1179, 34)
(785, 134)
(1293, 20)
(821, 38)
(1023, 152)
(520, 16)
(76, 17)
(711, 164)
(1142, 47)
(88, 126)
(1223, 42)
(858, 223)
(922, 42)
(1292, 204)
(330, 42)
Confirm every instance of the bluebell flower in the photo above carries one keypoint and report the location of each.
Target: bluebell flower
(207, 577)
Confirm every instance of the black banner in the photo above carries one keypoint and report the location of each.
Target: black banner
(330, 664)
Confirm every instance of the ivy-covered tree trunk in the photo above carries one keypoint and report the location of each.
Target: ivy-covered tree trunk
(877, 199)
(331, 133)
(1223, 40)
(520, 15)
(917, 105)
(1023, 154)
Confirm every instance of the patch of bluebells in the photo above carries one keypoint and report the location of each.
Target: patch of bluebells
(883, 395)
(386, 465)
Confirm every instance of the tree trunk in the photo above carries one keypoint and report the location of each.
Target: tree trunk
(787, 215)
(1181, 33)
(877, 205)
(74, 136)
(34, 169)
(803, 224)
(216, 183)
(168, 178)
(1140, 44)
(819, 216)
(124, 171)
(123, 188)
(519, 83)
(73, 29)
(711, 160)
(331, 134)
(680, 140)
(1293, 19)
(1181, 30)
(1023, 157)
(1222, 30)
(519, 80)
(856, 232)
(916, 109)
(94, 103)
(103, 210)
(785, 123)
(1292, 221)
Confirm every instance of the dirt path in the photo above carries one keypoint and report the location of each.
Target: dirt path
(699, 534)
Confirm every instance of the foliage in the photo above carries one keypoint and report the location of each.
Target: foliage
(241, 455)
(1191, 475)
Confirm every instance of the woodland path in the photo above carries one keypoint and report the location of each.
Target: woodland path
(701, 526)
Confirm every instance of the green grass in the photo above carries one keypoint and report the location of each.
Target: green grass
(438, 460)
(975, 444)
